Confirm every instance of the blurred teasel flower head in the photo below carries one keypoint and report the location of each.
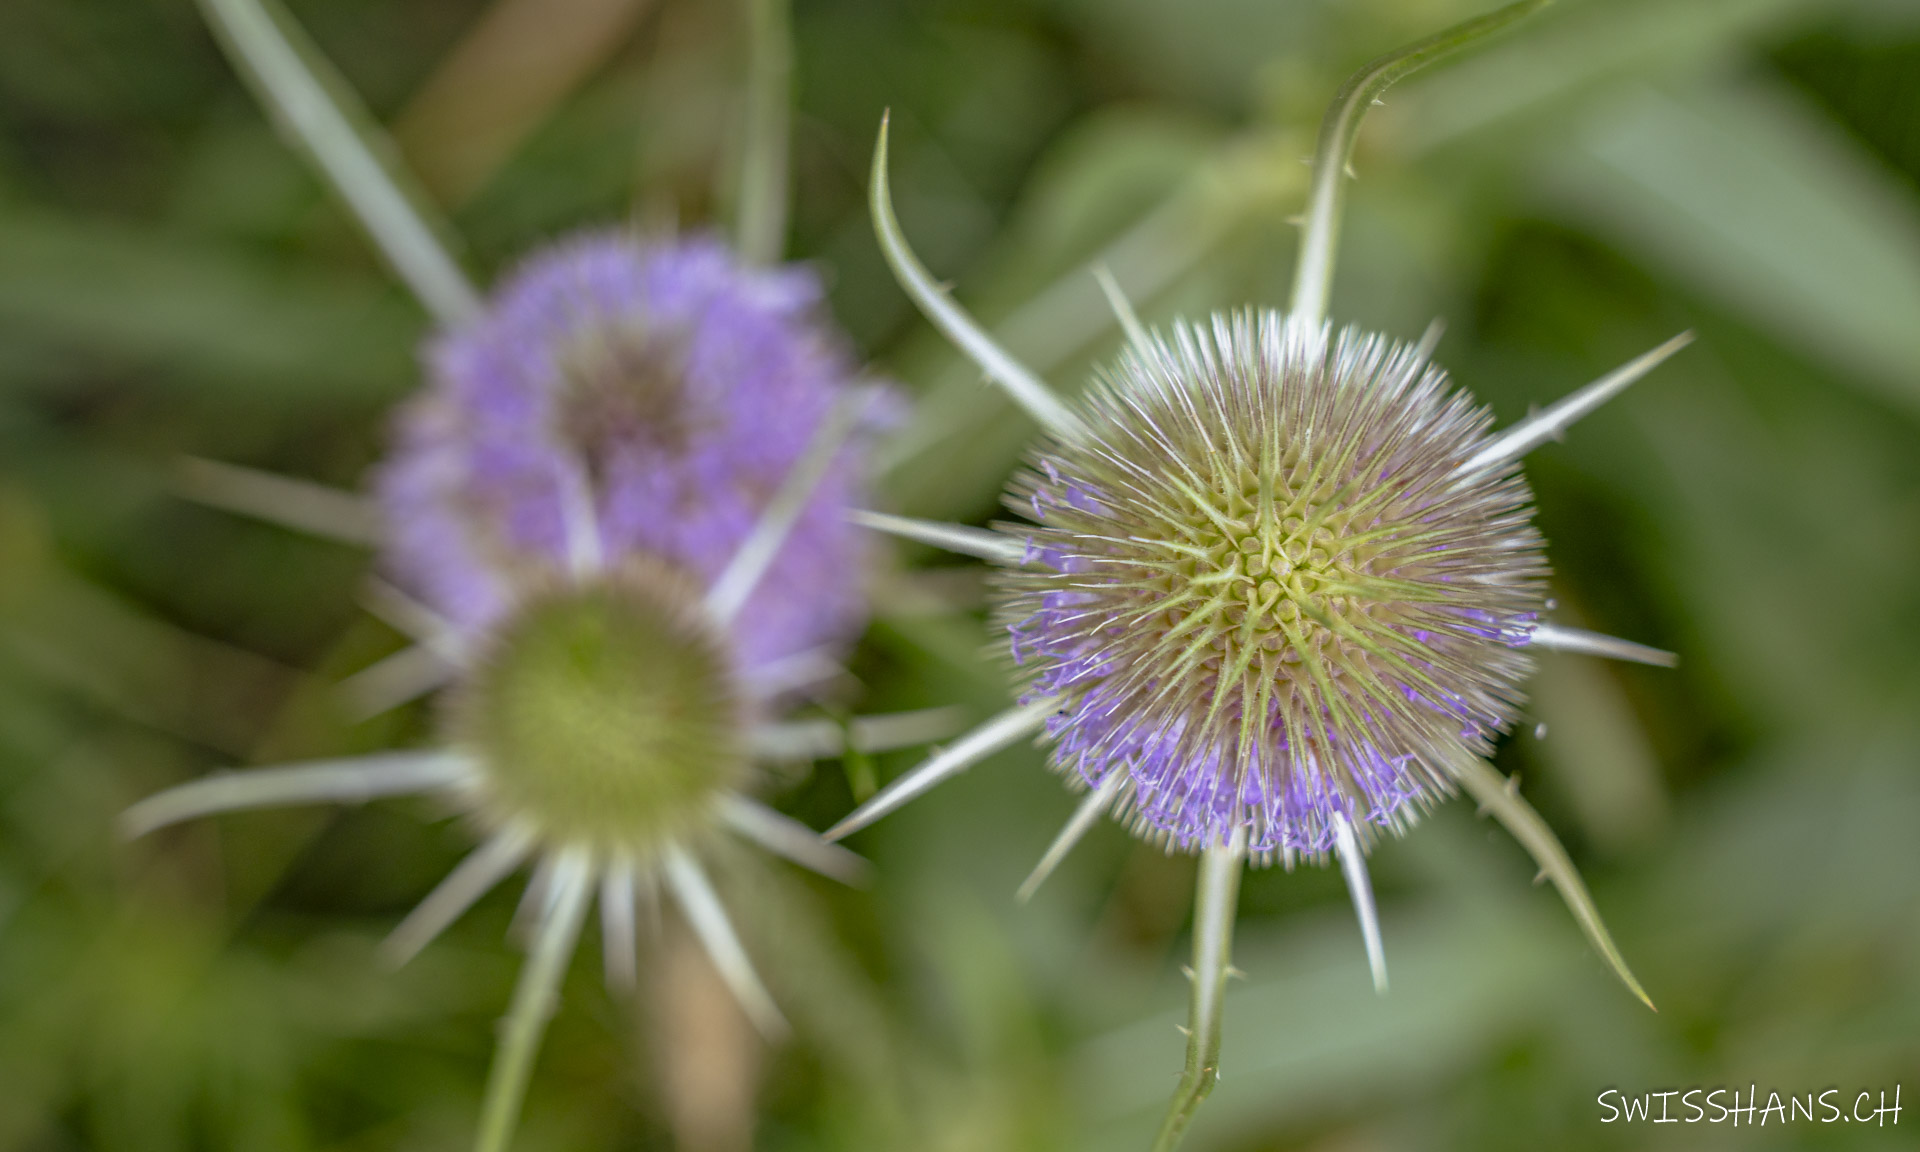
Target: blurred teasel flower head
(630, 396)
(617, 522)
(573, 495)
(616, 526)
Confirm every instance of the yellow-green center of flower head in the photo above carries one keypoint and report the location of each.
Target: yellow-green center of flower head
(604, 715)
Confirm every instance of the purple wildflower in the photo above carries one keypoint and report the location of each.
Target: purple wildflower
(1263, 589)
(623, 503)
(1278, 587)
(659, 389)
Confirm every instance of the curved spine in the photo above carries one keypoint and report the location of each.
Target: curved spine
(1313, 274)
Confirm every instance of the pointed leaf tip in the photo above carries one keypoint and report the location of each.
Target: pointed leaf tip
(1550, 422)
(1091, 808)
(1492, 791)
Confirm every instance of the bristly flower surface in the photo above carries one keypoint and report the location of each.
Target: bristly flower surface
(659, 391)
(1263, 589)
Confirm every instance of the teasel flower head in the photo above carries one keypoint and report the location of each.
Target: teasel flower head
(615, 525)
(649, 395)
(1274, 587)
(1260, 587)
(623, 496)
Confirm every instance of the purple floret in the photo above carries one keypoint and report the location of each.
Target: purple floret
(672, 384)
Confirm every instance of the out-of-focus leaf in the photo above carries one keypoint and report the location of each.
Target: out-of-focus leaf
(146, 670)
(517, 62)
(1773, 493)
(1746, 196)
(1180, 49)
(1573, 51)
(211, 316)
(171, 280)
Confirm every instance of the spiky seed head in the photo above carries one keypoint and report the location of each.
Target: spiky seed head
(1261, 586)
(668, 389)
(603, 714)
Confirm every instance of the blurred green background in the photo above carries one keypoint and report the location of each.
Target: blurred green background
(173, 280)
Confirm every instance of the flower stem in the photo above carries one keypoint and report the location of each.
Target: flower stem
(761, 210)
(1313, 275)
(1214, 899)
(534, 999)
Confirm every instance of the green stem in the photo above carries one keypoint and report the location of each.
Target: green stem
(534, 1000)
(761, 210)
(854, 761)
(1313, 275)
(1217, 892)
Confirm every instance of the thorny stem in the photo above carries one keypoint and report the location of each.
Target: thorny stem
(1313, 275)
(1214, 899)
(534, 999)
(761, 210)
